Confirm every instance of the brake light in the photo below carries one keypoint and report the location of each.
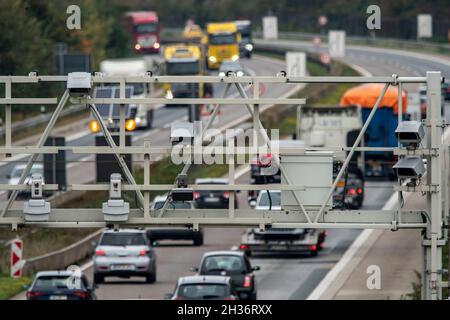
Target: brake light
(144, 252)
(313, 247)
(230, 298)
(360, 190)
(35, 294)
(351, 192)
(226, 194)
(243, 247)
(100, 252)
(247, 282)
(80, 294)
(196, 195)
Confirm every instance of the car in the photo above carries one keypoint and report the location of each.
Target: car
(61, 285)
(234, 264)
(280, 239)
(204, 288)
(213, 199)
(16, 173)
(124, 253)
(354, 191)
(155, 234)
(231, 66)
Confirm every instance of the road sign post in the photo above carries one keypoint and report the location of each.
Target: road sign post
(16, 258)
(336, 43)
(296, 64)
(424, 26)
(270, 28)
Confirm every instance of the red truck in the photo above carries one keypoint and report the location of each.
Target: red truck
(145, 28)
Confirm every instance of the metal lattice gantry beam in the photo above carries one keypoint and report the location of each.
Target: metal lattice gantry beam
(430, 219)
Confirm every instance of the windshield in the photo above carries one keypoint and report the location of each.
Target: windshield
(123, 239)
(180, 68)
(146, 28)
(173, 205)
(264, 201)
(60, 282)
(246, 40)
(17, 173)
(218, 39)
(203, 291)
(223, 263)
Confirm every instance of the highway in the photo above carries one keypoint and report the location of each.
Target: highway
(281, 276)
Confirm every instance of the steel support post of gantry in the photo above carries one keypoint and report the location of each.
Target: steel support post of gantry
(433, 238)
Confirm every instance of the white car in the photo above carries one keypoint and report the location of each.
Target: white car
(17, 171)
(269, 200)
(231, 66)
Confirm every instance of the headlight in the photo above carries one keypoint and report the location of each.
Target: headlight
(137, 46)
(169, 95)
(249, 46)
(239, 73)
(212, 59)
(130, 125)
(235, 57)
(138, 120)
(222, 74)
(94, 126)
(156, 45)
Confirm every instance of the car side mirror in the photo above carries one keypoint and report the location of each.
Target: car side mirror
(194, 269)
(168, 296)
(256, 268)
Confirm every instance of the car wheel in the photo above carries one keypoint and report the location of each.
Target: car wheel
(151, 278)
(98, 279)
(198, 241)
(314, 253)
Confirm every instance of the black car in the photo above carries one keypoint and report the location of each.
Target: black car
(61, 285)
(213, 199)
(233, 264)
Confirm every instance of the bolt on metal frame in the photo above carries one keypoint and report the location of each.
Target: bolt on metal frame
(430, 220)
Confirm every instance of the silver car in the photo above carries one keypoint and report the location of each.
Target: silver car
(124, 253)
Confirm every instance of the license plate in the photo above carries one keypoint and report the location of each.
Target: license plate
(58, 297)
(211, 199)
(126, 267)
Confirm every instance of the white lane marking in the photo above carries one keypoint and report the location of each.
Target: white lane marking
(349, 254)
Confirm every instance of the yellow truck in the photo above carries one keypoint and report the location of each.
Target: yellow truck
(192, 33)
(222, 43)
(182, 60)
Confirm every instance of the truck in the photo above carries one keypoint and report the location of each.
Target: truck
(182, 60)
(139, 116)
(145, 29)
(192, 33)
(222, 43)
(246, 45)
(325, 126)
(381, 131)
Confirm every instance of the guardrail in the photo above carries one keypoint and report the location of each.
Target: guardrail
(41, 119)
(61, 259)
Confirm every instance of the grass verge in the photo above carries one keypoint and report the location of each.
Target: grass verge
(10, 287)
